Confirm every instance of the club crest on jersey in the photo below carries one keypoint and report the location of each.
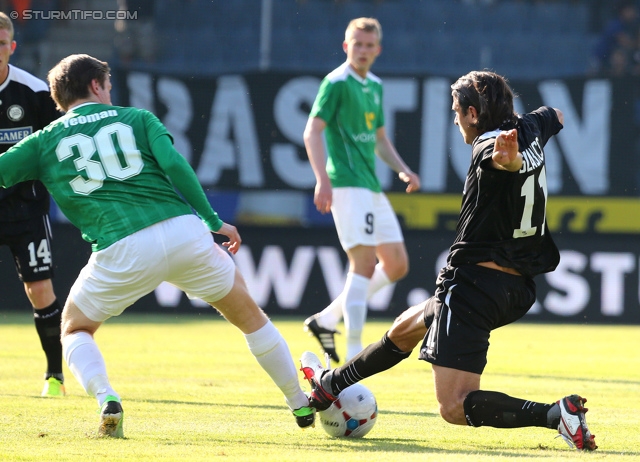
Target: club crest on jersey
(15, 112)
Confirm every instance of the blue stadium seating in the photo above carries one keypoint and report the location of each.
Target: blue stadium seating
(442, 37)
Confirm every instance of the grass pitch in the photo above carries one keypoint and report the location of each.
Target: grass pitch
(192, 391)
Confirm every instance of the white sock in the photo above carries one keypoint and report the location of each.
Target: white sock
(379, 279)
(87, 365)
(332, 314)
(272, 353)
(355, 311)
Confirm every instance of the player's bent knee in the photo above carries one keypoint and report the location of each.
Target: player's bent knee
(405, 339)
(453, 413)
(397, 269)
(241, 310)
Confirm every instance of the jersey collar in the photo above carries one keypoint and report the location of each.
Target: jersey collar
(8, 79)
(81, 105)
(355, 75)
(491, 134)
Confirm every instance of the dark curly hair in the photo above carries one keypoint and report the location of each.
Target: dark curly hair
(490, 94)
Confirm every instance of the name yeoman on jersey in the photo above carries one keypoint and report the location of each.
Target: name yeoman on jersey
(81, 120)
(532, 157)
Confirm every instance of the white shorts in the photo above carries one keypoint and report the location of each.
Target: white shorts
(179, 250)
(364, 217)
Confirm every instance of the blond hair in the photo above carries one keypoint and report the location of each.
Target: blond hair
(6, 24)
(364, 24)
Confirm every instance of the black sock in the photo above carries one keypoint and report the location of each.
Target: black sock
(47, 322)
(375, 358)
(494, 409)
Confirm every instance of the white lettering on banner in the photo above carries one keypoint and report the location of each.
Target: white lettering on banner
(569, 291)
(289, 165)
(140, 86)
(586, 145)
(575, 288)
(231, 114)
(613, 267)
(174, 94)
(231, 141)
(288, 284)
(333, 270)
(286, 162)
(288, 106)
(436, 119)
(335, 276)
(400, 95)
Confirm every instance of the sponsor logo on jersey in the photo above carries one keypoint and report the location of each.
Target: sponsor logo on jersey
(365, 137)
(13, 135)
(15, 112)
(369, 117)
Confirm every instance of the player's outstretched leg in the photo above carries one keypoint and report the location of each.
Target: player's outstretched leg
(573, 425)
(325, 336)
(267, 345)
(53, 387)
(313, 370)
(305, 416)
(111, 418)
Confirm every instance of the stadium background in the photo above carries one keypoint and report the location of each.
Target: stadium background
(234, 80)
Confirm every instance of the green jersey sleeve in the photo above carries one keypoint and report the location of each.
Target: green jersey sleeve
(325, 105)
(20, 162)
(184, 179)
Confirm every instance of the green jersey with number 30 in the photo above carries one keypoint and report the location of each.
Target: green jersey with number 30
(98, 164)
(352, 109)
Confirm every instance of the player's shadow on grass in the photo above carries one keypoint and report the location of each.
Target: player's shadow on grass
(408, 413)
(573, 379)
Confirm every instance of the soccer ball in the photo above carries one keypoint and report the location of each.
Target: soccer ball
(353, 414)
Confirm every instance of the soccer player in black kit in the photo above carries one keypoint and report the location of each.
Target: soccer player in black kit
(26, 106)
(502, 242)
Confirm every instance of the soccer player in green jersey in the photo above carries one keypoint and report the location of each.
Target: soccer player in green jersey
(348, 111)
(113, 171)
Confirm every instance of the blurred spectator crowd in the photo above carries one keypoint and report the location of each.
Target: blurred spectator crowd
(599, 38)
(617, 51)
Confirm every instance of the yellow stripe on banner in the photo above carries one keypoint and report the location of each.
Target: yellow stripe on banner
(574, 214)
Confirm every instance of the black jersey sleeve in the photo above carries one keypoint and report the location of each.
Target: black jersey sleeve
(546, 121)
(503, 214)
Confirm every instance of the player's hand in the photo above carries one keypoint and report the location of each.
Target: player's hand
(230, 231)
(322, 197)
(505, 150)
(412, 180)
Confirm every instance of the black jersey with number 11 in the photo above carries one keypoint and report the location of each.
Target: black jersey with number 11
(503, 214)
